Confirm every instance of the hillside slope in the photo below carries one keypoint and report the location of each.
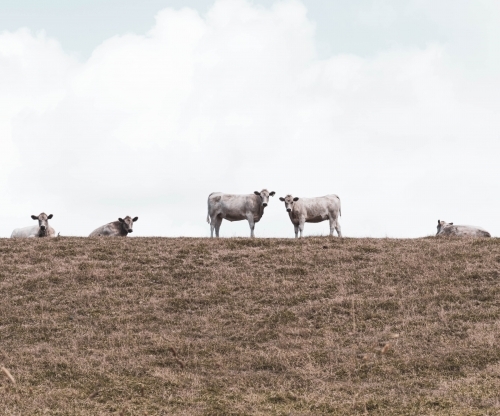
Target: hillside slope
(239, 326)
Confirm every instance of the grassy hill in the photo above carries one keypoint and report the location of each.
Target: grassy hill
(158, 326)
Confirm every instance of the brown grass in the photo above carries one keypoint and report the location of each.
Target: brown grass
(152, 326)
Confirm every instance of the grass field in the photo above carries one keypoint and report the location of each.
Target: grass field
(158, 326)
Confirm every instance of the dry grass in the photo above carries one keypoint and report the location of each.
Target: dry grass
(158, 326)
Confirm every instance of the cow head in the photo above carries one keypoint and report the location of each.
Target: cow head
(289, 200)
(128, 223)
(441, 225)
(43, 221)
(264, 196)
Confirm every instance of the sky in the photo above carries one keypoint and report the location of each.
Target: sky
(143, 108)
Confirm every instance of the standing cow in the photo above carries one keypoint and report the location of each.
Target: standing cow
(120, 228)
(302, 210)
(43, 229)
(448, 229)
(236, 208)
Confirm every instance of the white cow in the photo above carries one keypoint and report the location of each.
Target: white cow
(302, 210)
(120, 228)
(448, 229)
(236, 208)
(43, 229)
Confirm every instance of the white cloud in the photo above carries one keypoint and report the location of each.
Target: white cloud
(235, 101)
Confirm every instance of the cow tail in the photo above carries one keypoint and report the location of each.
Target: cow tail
(340, 208)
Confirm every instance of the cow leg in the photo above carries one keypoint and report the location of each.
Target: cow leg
(337, 227)
(301, 227)
(212, 226)
(296, 230)
(334, 225)
(251, 222)
(218, 222)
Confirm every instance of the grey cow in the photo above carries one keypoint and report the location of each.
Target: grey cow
(43, 229)
(448, 229)
(120, 228)
(302, 210)
(236, 208)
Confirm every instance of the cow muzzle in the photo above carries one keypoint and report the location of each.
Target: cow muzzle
(130, 230)
(288, 209)
(264, 204)
(42, 227)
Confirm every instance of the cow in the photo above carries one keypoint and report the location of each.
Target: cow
(302, 210)
(120, 228)
(43, 229)
(448, 229)
(236, 208)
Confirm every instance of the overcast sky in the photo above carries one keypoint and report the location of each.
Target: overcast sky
(142, 108)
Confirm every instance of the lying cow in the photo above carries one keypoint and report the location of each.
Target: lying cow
(43, 229)
(302, 210)
(448, 229)
(120, 228)
(236, 208)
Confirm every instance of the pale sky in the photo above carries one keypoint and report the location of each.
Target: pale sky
(115, 108)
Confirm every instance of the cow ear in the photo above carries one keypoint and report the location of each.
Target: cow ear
(120, 219)
(135, 219)
(50, 217)
(34, 217)
(272, 193)
(296, 198)
(282, 199)
(256, 193)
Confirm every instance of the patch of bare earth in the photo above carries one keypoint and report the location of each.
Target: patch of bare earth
(238, 326)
